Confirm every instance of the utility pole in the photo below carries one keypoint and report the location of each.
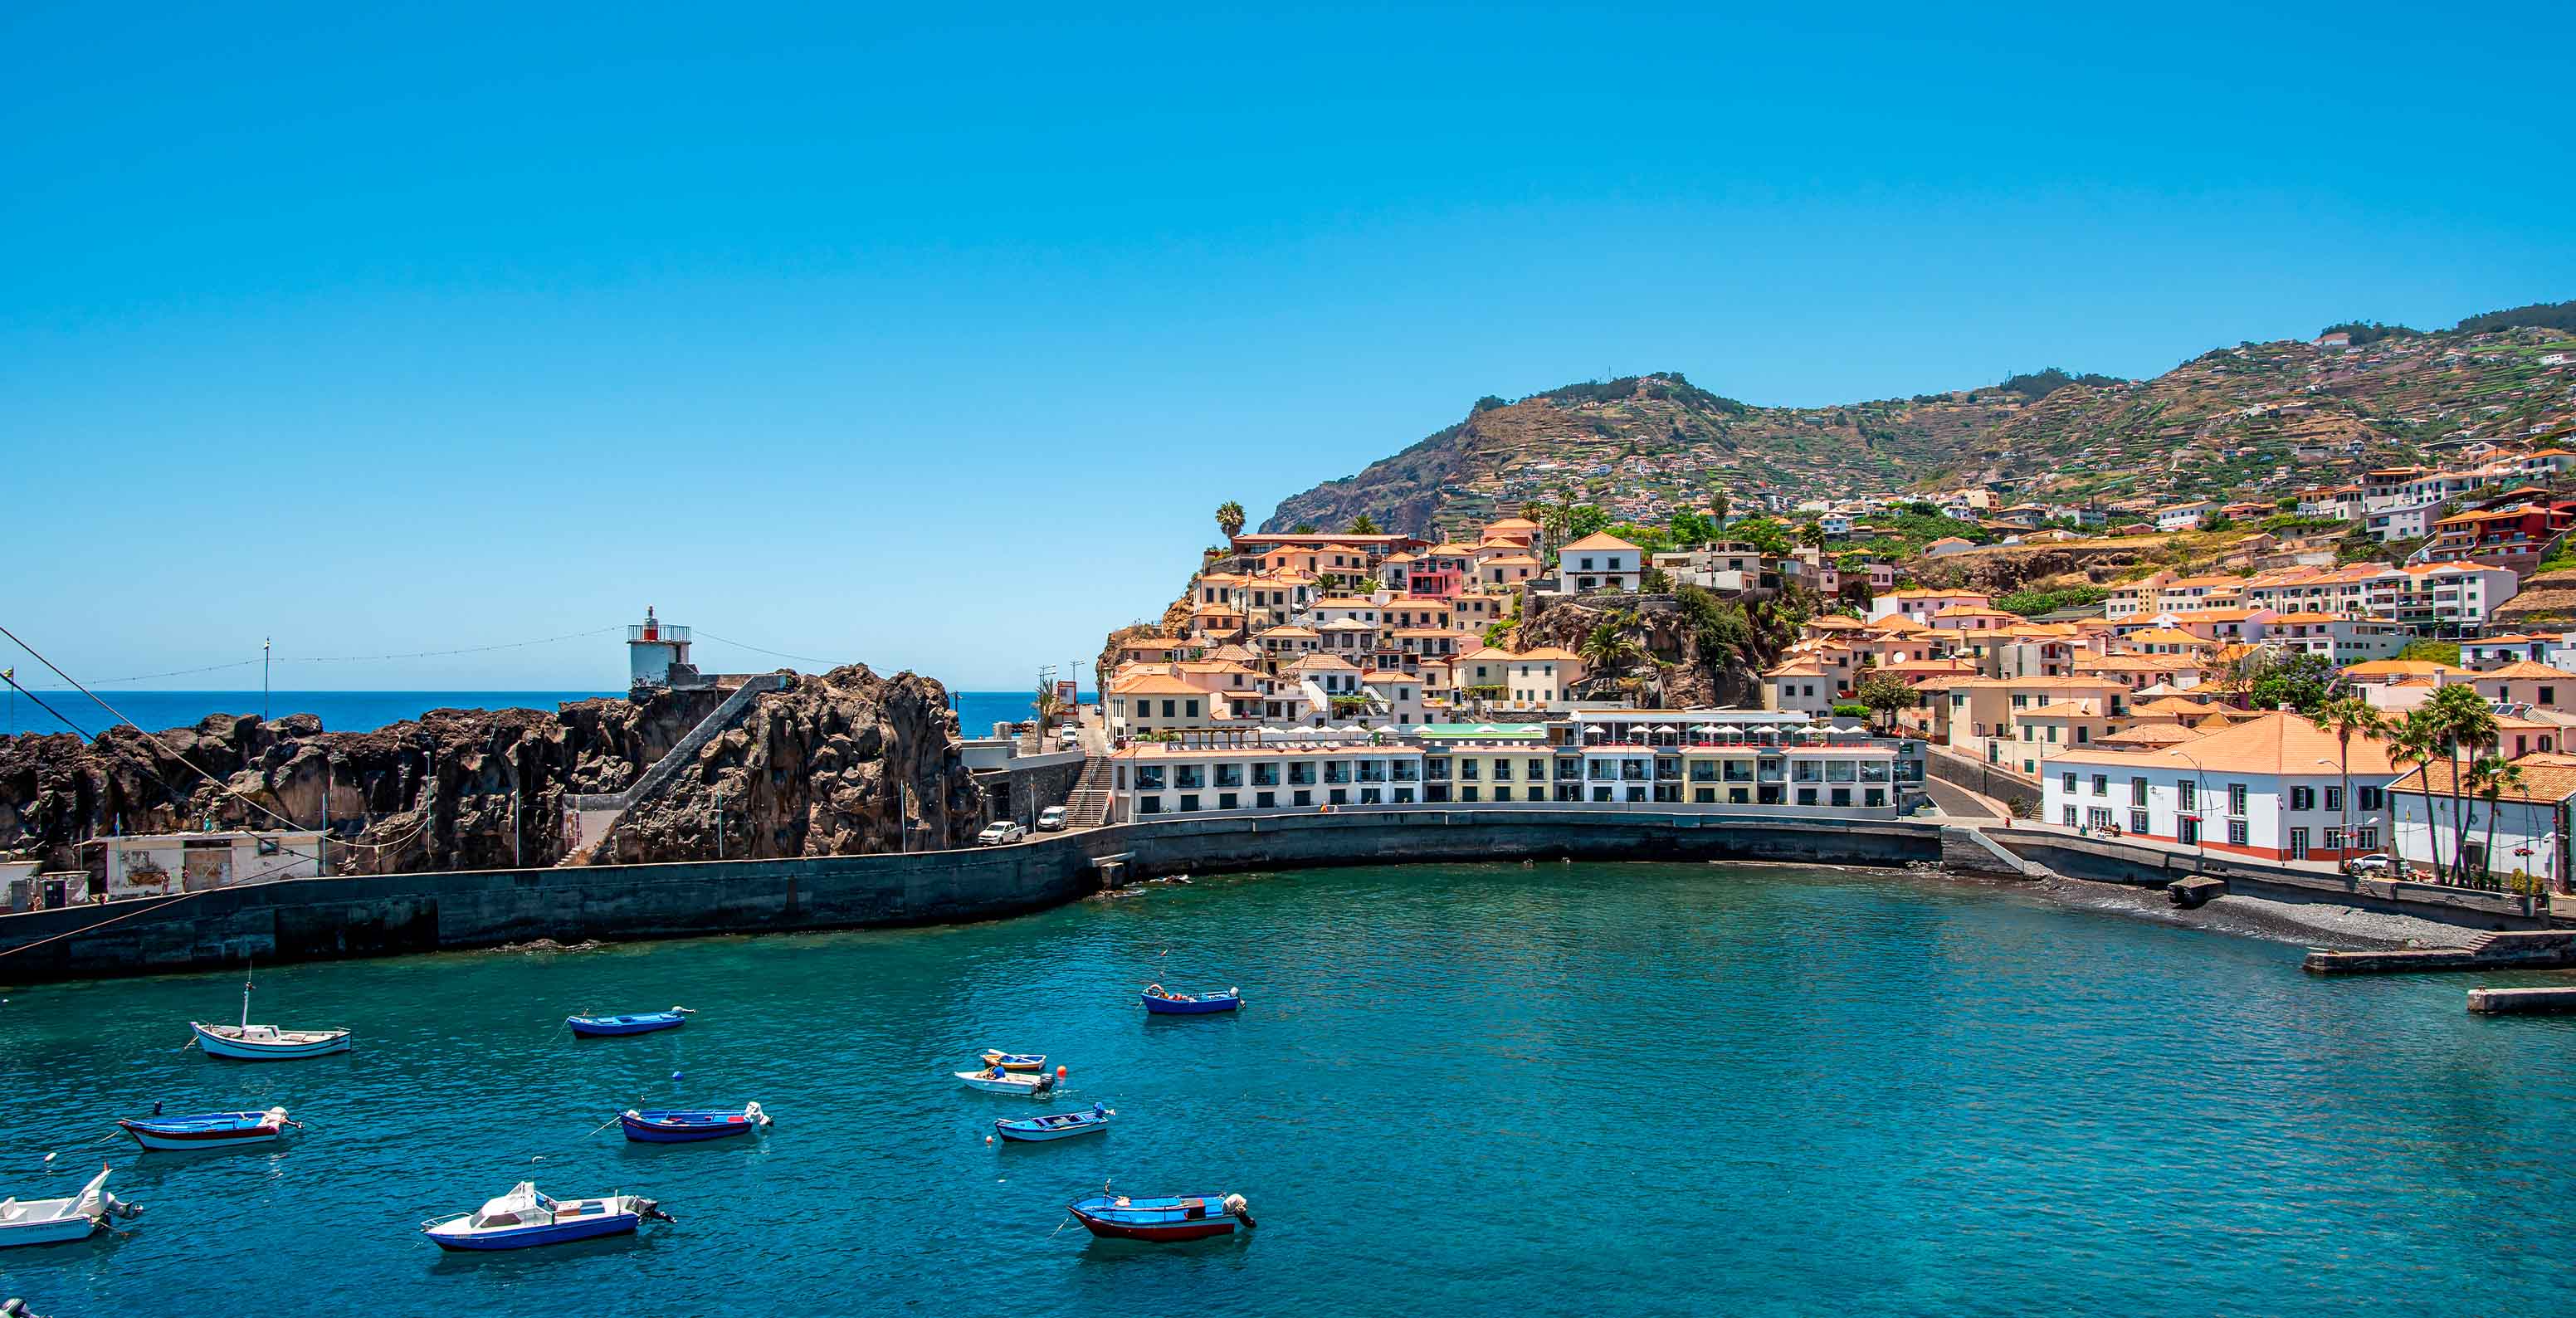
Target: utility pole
(263, 679)
(720, 823)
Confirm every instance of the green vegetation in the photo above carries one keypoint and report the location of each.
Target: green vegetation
(2036, 385)
(1667, 386)
(2539, 315)
(1229, 518)
(1905, 534)
(1720, 626)
(1850, 709)
(2303, 680)
(2296, 522)
(1882, 696)
(2032, 603)
(1364, 525)
(2439, 652)
(2367, 331)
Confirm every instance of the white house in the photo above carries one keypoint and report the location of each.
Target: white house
(2338, 639)
(2184, 516)
(2270, 788)
(1600, 561)
(160, 863)
(2527, 822)
(2410, 522)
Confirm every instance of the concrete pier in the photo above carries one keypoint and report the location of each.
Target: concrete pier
(2535, 949)
(2523, 1001)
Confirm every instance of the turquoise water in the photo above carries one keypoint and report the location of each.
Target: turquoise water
(1611, 1089)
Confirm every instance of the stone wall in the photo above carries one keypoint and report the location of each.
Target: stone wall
(2105, 861)
(321, 919)
(1985, 779)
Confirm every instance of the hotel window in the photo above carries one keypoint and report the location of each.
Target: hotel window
(1225, 801)
(2303, 798)
(1302, 797)
(1301, 774)
(2334, 801)
(1470, 769)
(1372, 796)
(1337, 771)
(2236, 832)
(1703, 796)
(2070, 782)
(1502, 771)
(1149, 805)
(1601, 793)
(1468, 794)
(1537, 771)
(1149, 777)
(1338, 796)
(2186, 795)
(1189, 803)
(2236, 798)
(2101, 784)
(1265, 774)
(2334, 839)
(2137, 821)
(1806, 796)
(1229, 775)
(2366, 838)
(1190, 775)
(1167, 709)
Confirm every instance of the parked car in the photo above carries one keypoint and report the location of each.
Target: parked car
(996, 834)
(1068, 739)
(2378, 864)
(1051, 819)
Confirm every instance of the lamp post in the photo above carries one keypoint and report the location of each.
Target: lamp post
(2200, 791)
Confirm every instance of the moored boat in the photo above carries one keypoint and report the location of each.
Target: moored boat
(211, 1130)
(1163, 1002)
(264, 1043)
(642, 1022)
(52, 1221)
(995, 1080)
(1015, 1061)
(523, 1218)
(1055, 1126)
(690, 1125)
(1179, 1217)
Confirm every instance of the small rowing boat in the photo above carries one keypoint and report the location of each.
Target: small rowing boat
(264, 1043)
(642, 1022)
(690, 1125)
(1163, 1002)
(524, 1218)
(52, 1221)
(1060, 1125)
(211, 1130)
(1181, 1217)
(995, 1080)
(1015, 1061)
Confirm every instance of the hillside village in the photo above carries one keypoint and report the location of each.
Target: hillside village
(2315, 645)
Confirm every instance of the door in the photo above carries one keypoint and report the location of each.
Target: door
(2298, 844)
(2187, 831)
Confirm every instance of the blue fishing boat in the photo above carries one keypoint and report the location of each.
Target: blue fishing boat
(1056, 1126)
(1178, 1217)
(645, 1022)
(212, 1130)
(1162, 1002)
(524, 1218)
(690, 1125)
(1014, 1061)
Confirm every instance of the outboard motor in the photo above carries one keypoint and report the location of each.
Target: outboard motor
(13, 1307)
(652, 1212)
(1242, 1211)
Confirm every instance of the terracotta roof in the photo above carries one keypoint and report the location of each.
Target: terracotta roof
(2058, 709)
(2524, 669)
(2404, 668)
(2147, 734)
(1598, 540)
(1153, 684)
(2547, 776)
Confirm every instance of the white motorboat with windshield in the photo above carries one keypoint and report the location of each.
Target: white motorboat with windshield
(52, 1221)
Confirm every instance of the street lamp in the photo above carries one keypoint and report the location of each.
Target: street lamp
(2200, 791)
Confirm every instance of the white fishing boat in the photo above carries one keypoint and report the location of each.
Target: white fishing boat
(524, 1218)
(51, 1221)
(995, 1080)
(264, 1043)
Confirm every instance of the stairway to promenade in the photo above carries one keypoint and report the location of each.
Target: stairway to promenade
(594, 814)
(1088, 805)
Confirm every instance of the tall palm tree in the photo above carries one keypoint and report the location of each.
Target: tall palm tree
(2417, 740)
(2348, 717)
(2467, 725)
(1606, 648)
(1229, 518)
(2491, 778)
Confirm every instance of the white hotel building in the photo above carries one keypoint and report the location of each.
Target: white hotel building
(2270, 788)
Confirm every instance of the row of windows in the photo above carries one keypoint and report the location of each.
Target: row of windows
(1872, 798)
(2301, 798)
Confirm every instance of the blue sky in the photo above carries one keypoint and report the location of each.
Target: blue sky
(932, 342)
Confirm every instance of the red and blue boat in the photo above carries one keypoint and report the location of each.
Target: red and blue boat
(1055, 1126)
(1163, 1002)
(642, 1022)
(211, 1130)
(523, 1219)
(690, 1125)
(1180, 1217)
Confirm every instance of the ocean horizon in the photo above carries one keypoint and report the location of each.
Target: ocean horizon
(366, 711)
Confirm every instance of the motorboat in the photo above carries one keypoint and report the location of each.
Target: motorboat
(53, 1221)
(690, 1125)
(1179, 1217)
(1015, 1061)
(211, 1130)
(264, 1043)
(1163, 1002)
(524, 1218)
(1055, 1126)
(995, 1080)
(643, 1022)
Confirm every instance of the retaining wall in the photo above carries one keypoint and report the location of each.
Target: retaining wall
(320, 919)
(1985, 779)
(2115, 862)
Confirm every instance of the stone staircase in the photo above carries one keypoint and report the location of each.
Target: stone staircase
(1088, 805)
(594, 814)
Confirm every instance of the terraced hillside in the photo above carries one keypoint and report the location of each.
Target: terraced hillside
(2237, 421)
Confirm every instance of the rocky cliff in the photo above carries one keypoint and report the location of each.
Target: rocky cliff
(1683, 658)
(836, 764)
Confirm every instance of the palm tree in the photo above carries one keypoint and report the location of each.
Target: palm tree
(1229, 518)
(1606, 648)
(1047, 704)
(2491, 778)
(2467, 724)
(2417, 740)
(1364, 525)
(2347, 717)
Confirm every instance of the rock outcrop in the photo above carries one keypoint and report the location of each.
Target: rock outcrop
(834, 765)
(1676, 665)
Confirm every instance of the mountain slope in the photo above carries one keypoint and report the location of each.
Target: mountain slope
(2230, 421)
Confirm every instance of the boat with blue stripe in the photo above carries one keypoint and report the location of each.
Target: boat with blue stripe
(1055, 1126)
(1162, 1002)
(691, 1125)
(525, 1219)
(211, 1130)
(642, 1022)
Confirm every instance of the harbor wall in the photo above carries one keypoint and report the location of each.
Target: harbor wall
(2106, 861)
(377, 915)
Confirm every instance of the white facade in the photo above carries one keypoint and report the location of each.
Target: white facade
(2526, 836)
(162, 863)
(2264, 816)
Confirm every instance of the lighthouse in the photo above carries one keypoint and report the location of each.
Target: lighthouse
(657, 653)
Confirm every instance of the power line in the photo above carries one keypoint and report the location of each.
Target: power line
(337, 659)
(703, 634)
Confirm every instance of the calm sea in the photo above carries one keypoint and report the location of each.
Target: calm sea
(1619, 1090)
(365, 711)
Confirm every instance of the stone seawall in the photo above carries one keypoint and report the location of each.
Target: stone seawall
(376, 915)
(2106, 861)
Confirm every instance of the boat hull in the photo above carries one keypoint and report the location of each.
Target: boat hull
(1164, 1221)
(1202, 1006)
(213, 1043)
(532, 1237)
(1016, 1061)
(606, 1027)
(172, 1139)
(1027, 1132)
(1026, 1086)
(59, 1232)
(643, 1129)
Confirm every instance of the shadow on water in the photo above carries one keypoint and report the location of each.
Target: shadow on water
(511, 1262)
(1102, 1251)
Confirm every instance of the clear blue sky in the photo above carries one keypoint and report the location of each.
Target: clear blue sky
(933, 344)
